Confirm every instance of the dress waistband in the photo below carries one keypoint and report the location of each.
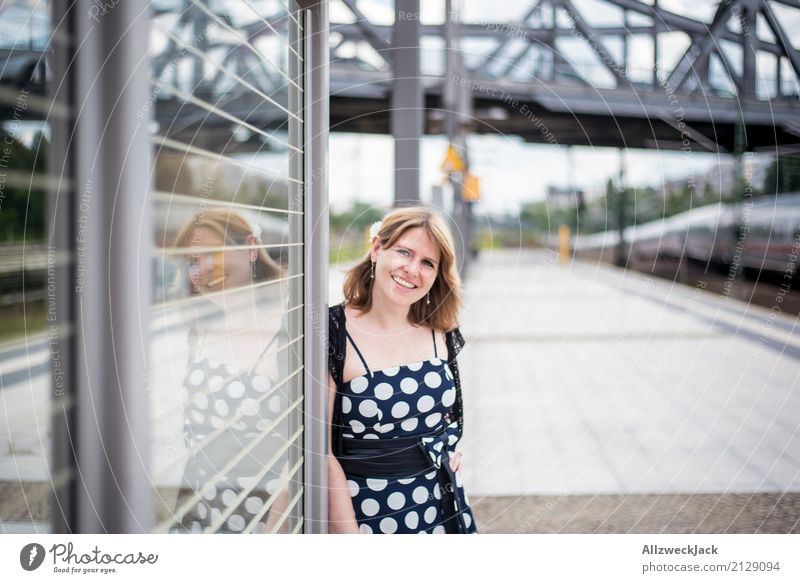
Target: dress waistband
(401, 457)
(404, 457)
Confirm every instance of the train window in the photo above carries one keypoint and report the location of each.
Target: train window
(227, 304)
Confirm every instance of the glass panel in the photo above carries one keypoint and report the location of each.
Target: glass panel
(28, 346)
(226, 304)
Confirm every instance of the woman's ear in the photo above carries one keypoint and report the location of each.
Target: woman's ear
(252, 240)
(374, 248)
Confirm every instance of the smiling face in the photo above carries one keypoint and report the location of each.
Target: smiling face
(406, 271)
(218, 270)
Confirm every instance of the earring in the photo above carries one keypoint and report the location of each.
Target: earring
(428, 302)
(372, 270)
(253, 270)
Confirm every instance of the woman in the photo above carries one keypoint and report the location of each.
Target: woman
(395, 403)
(234, 400)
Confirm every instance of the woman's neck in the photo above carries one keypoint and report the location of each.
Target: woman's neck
(386, 318)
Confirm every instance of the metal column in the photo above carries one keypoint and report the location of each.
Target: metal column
(407, 102)
(316, 113)
(112, 162)
(457, 105)
(61, 209)
(749, 48)
(656, 21)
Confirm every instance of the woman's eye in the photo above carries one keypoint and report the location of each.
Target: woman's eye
(428, 264)
(402, 251)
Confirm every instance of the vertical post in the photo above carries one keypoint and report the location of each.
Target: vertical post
(749, 48)
(556, 56)
(655, 44)
(61, 208)
(437, 196)
(740, 233)
(199, 26)
(450, 71)
(297, 201)
(407, 102)
(454, 104)
(625, 44)
(112, 153)
(316, 113)
(621, 204)
(89, 329)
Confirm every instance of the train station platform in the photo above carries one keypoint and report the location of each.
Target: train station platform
(596, 400)
(589, 389)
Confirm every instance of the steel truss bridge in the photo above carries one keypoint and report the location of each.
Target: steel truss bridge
(738, 74)
(734, 87)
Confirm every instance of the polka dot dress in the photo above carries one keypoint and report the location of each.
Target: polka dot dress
(244, 404)
(404, 401)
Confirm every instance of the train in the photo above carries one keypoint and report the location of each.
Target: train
(760, 236)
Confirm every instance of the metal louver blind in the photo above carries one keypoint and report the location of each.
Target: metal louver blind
(227, 305)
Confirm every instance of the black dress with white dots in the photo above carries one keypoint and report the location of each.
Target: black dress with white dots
(234, 429)
(408, 401)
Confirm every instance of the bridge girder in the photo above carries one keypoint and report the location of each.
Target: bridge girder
(624, 111)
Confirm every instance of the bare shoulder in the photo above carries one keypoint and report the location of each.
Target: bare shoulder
(441, 341)
(350, 312)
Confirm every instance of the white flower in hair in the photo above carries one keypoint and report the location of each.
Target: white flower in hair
(257, 231)
(374, 229)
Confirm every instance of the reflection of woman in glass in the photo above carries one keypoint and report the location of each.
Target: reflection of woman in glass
(232, 397)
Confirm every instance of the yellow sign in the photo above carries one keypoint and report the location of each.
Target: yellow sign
(452, 161)
(472, 188)
(563, 243)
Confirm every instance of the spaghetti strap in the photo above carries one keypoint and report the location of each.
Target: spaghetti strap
(361, 356)
(435, 351)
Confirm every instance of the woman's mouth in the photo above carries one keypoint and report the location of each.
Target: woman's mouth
(403, 283)
(216, 281)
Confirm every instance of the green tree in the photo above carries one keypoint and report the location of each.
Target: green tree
(540, 217)
(737, 191)
(647, 207)
(783, 175)
(679, 201)
(22, 208)
(357, 219)
(709, 195)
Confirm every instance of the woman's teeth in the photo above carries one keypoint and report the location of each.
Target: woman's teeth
(215, 282)
(403, 282)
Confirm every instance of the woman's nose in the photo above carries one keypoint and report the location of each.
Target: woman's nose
(205, 263)
(412, 267)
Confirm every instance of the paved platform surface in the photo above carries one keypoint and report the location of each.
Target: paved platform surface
(640, 513)
(598, 399)
(586, 379)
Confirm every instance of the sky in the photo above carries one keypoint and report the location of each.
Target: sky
(511, 172)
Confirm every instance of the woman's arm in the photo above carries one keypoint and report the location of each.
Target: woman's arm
(341, 516)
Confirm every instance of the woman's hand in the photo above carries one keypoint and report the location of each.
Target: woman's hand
(455, 463)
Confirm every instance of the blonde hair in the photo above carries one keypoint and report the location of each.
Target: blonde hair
(233, 229)
(445, 306)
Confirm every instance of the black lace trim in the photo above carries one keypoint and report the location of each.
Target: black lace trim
(336, 348)
(336, 353)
